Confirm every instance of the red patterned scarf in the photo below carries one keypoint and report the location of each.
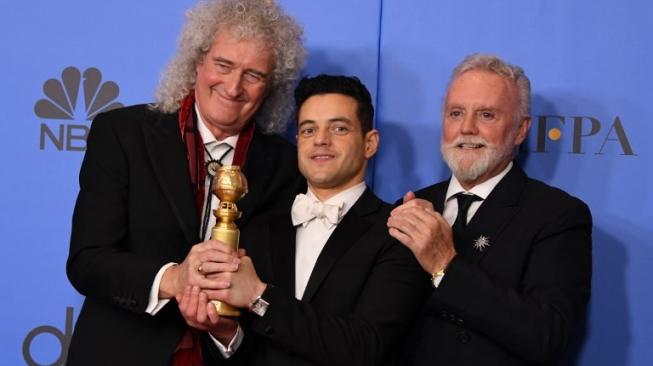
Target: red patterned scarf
(189, 350)
(195, 147)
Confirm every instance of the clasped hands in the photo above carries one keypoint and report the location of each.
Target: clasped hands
(424, 231)
(226, 275)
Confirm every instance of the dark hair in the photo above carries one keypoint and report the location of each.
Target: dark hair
(350, 86)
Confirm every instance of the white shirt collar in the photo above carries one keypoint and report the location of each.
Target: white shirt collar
(207, 135)
(311, 238)
(348, 197)
(482, 190)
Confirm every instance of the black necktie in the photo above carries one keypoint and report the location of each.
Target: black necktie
(458, 227)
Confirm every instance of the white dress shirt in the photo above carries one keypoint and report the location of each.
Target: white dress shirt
(482, 190)
(215, 150)
(311, 236)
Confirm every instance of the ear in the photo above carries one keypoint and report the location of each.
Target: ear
(371, 143)
(522, 130)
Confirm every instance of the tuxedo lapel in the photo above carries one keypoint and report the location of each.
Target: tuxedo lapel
(346, 234)
(257, 170)
(167, 154)
(438, 198)
(282, 252)
(493, 215)
(434, 194)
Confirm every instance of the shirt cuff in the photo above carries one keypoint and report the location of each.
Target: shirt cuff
(228, 351)
(155, 304)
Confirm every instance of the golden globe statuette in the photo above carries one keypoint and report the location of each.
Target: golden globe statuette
(230, 186)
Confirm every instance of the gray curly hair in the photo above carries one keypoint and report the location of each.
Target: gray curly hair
(245, 19)
(495, 64)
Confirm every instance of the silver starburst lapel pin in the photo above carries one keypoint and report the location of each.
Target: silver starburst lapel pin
(481, 243)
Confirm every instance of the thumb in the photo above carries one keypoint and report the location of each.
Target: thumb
(409, 196)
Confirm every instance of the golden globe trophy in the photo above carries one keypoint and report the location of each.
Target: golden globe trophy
(230, 186)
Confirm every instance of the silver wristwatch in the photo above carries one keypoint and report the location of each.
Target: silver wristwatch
(259, 306)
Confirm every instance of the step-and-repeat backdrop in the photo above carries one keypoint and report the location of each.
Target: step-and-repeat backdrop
(588, 60)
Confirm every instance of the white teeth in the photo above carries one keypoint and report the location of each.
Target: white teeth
(470, 146)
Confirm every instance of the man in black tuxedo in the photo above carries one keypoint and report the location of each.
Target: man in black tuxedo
(324, 284)
(144, 202)
(510, 257)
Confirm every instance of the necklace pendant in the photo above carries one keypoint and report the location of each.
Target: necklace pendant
(212, 167)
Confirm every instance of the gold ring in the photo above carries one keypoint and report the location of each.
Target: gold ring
(199, 268)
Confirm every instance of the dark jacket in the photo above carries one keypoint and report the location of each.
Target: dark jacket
(135, 212)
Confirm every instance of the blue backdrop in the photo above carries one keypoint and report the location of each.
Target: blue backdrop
(588, 62)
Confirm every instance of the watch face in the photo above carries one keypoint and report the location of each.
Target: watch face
(260, 306)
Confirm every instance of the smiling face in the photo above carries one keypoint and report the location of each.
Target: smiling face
(479, 130)
(231, 83)
(332, 149)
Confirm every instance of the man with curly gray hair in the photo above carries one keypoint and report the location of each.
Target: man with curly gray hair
(141, 226)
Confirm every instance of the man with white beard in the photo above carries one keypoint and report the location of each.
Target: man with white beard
(509, 256)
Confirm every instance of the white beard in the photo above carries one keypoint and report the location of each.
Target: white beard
(467, 165)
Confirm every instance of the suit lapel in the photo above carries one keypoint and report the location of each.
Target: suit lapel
(494, 214)
(282, 251)
(167, 154)
(437, 197)
(353, 225)
(257, 171)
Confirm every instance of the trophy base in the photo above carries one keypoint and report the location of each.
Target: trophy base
(224, 309)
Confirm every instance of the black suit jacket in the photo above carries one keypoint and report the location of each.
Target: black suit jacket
(362, 295)
(515, 302)
(135, 212)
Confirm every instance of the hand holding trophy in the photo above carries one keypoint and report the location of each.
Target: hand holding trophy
(230, 186)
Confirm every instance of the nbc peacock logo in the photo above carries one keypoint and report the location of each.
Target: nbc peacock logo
(61, 104)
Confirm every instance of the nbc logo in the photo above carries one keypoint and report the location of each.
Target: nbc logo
(61, 104)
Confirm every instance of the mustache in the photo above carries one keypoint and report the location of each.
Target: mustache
(473, 140)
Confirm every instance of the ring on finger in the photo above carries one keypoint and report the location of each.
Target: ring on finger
(200, 269)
